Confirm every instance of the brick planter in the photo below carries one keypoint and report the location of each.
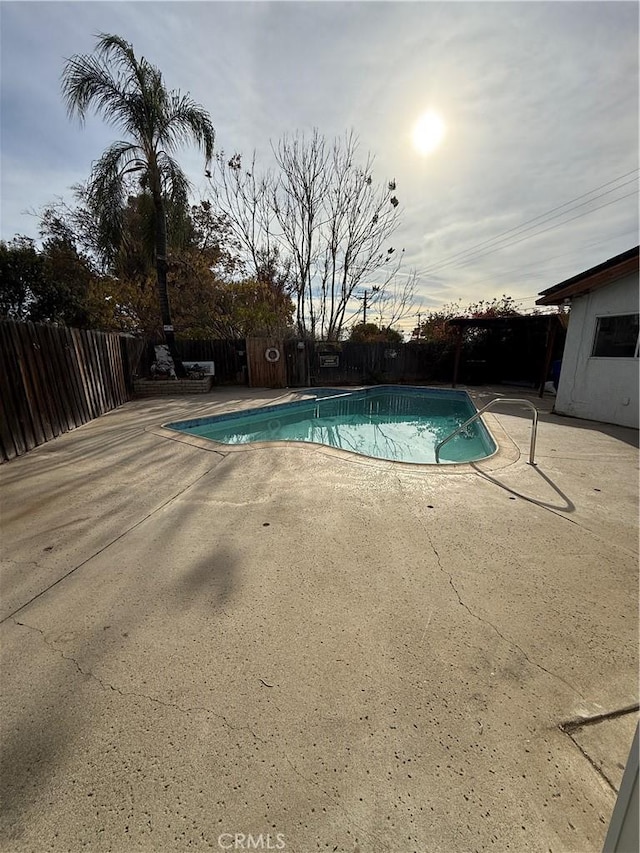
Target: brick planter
(169, 387)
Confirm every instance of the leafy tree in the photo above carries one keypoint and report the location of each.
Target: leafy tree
(21, 277)
(370, 333)
(49, 285)
(214, 297)
(69, 276)
(259, 309)
(236, 309)
(436, 326)
(130, 93)
(505, 306)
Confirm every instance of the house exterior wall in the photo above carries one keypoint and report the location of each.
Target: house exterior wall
(599, 389)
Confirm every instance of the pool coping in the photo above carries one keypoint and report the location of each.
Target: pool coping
(507, 452)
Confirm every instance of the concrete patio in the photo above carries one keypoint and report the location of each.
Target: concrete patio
(332, 653)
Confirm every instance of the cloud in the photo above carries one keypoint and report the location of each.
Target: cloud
(540, 102)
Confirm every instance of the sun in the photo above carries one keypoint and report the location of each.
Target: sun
(428, 132)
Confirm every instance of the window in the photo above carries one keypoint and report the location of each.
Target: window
(616, 337)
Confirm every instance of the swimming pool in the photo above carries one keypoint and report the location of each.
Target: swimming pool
(398, 423)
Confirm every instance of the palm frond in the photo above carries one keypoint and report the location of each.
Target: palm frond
(130, 92)
(140, 74)
(116, 51)
(174, 182)
(186, 121)
(124, 90)
(107, 190)
(86, 83)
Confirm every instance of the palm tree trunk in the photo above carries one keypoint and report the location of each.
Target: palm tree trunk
(161, 272)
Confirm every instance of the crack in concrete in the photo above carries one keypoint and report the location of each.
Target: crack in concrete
(571, 726)
(106, 686)
(598, 769)
(186, 441)
(486, 621)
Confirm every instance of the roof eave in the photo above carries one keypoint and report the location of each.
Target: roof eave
(589, 281)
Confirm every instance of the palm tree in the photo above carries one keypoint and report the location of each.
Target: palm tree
(130, 94)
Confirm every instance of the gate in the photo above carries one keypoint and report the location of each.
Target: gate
(266, 363)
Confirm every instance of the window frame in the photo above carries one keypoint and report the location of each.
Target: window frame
(596, 332)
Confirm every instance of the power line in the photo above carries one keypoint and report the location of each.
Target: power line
(540, 216)
(579, 216)
(465, 261)
(535, 265)
(510, 242)
(472, 250)
(470, 258)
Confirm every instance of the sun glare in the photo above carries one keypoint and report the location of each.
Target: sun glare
(428, 132)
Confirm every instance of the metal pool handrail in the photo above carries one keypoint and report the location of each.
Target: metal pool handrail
(478, 414)
(318, 400)
(333, 396)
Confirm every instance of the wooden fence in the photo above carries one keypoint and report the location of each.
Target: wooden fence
(305, 363)
(229, 357)
(350, 363)
(264, 372)
(53, 379)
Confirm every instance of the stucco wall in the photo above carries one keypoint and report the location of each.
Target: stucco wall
(600, 389)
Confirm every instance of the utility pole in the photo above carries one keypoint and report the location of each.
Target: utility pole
(365, 299)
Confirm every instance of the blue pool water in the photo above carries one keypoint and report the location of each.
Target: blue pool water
(386, 422)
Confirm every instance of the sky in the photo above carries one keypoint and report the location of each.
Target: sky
(535, 180)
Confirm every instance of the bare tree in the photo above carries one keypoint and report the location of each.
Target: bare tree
(243, 199)
(323, 212)
(397, 301)
(299, 196)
